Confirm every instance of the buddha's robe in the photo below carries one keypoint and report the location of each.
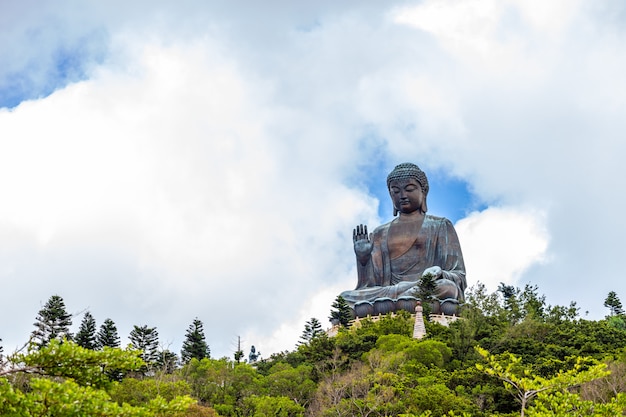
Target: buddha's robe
(436, 244)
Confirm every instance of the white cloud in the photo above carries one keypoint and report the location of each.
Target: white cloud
(172, 163)
(500, 244)
(215, 166)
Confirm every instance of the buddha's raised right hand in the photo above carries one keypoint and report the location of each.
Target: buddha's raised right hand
(362, 244)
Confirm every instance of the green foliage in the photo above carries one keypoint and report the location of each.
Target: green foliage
(139, 392)
(221, 383)
(341, 312)
(167, 361)
(312, 329)
(272, 406)
(613, 302)
(86, 336)
(286, 381)
(438, 399)
(545, 356)
(533, 304)
(107, 335)
(525, 386)
(425, 292)
(195, 345)
(146, 339)
(512, 306)
(429, 353)
(319, 351)
(52, 322)
(84, 366)
(566, 404)
(72, 382)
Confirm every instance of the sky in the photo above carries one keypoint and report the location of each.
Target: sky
(163, 162)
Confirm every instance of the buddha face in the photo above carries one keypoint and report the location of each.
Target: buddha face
(406, 195)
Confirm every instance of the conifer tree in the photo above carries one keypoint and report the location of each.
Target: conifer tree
(52, 322)
(613, 302)
(86, 336)
(146, 339)
(195, 345)
(342, 312)
(511, 294)
(425, 293)
(167, 361)
(107, 335)
(312, 329)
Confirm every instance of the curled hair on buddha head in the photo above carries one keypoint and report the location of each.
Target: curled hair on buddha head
(405, 171)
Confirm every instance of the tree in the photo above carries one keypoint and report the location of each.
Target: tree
(67, 380)
(195, 345)
(312, 329)
(266, 406)
(341, 313)
(614, 304)
(86, 336)
(525, 386)
(52, 322)
(534, 305)
(107, 335)
(294, 383)
(511, 302)
(146, 339)
(167, 361)
(425, 292)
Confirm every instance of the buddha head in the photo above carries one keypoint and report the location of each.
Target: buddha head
(407, 173)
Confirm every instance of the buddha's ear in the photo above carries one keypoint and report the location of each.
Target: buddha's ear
(395, 212)
(424, 206)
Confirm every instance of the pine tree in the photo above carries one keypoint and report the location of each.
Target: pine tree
(511, 302)
(167, 361)
(195, 345)
(107, 335)
(52, 322)
(86, 336)
(146, 339)
(342, 312)
(425, 293)
(312, 329)
(613, 302)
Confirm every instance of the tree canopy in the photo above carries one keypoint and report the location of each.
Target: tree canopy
(107, 335)
(86, 335)
(52, 322)
(510, 354)
(195, 345)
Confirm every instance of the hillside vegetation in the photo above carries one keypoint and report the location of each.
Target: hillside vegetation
(512, 354)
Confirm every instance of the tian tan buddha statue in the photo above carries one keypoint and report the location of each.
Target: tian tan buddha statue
(392, 259)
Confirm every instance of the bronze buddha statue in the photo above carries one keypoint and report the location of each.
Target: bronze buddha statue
(392, 260)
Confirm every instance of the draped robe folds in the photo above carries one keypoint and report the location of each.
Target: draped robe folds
(436, 244)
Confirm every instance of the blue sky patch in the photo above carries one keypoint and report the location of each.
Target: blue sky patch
(448, 197)
(65, 65)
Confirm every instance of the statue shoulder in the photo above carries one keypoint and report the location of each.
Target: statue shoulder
(435, 220)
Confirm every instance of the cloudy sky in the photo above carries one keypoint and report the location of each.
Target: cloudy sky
(209, 159)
